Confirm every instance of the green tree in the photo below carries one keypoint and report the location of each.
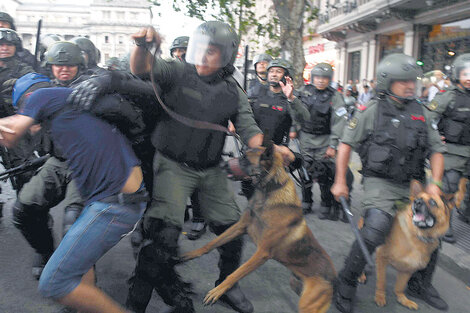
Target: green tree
(285, 28)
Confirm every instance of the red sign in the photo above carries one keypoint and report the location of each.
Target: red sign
(316, 49)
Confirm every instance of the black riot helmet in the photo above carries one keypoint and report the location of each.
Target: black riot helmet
(261, 57)
(65, 53)
(321, 70)
(10, 36)
(461, 62)
(396, 67)
(45, 42)
(5, 17)
(286, 65)
(92, 53)
(215, 33)
(179, 42)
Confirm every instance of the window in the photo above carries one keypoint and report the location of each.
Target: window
(106, 14)
(106, 39)
(121, 40)
(120, 15)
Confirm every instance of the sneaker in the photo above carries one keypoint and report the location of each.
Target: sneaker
(430, 296)
(235, 298)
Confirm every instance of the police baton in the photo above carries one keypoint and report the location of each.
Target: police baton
(357, 234)
(302, 168)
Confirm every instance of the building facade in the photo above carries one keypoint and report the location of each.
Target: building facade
(108, 23)
(364, 31)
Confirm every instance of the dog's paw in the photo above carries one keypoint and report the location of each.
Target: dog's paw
(380, 298)
(214, 294)
(403, 300)
(190, 255)
(362, 279)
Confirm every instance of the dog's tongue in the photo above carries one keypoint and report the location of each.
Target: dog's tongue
(418, 217)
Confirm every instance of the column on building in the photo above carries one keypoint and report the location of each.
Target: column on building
(342, 66)
(409, 40)
(372, 58)
(364, 59)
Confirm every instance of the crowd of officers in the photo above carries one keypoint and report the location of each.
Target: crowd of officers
(393, 133)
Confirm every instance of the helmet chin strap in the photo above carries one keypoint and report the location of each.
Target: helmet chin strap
(6, 59)
(274, 84)
(404, 100)
(260, 77)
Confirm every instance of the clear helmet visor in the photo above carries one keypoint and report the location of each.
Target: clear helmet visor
(463, 71)
(201, 51)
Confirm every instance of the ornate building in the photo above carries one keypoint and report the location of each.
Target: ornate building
(108, 23)
(366, 30)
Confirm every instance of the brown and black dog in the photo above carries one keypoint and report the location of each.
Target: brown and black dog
(413, 238)
(274, 221)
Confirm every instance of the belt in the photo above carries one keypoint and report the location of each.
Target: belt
(128, 198)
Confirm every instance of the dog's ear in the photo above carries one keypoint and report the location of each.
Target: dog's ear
(415, 188)
(268, 153)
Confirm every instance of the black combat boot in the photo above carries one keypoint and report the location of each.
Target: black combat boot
(35, 225)
(346, 284)
(419, 285)
(155, 270)
(377, 225)
(230, 257)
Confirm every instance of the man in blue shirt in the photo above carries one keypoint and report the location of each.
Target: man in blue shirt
(109, 177)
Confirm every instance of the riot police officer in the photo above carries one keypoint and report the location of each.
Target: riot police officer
(178, 47)
(393, 139)
(6, 21)
(187, 158)
(450, 113)
(276, 108)
(260, 63)
(11, 68)
(67, 64)
(319, 135)
(92, 54)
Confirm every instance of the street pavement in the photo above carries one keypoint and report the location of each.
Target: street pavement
(267, 287)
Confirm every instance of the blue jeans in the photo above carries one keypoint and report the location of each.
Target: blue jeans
(100, 227)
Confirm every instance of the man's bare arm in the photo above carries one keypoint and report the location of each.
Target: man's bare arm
(140, 60)
(12, 128)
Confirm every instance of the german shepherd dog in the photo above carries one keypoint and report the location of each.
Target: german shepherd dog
(413, 238)
(274, 221)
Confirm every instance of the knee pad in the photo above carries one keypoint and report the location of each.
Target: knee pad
(26, 216)
(377, 225)
(450, 181)
(71, 213)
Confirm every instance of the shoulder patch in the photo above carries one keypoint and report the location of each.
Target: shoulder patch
(352, 123)
(432, 105)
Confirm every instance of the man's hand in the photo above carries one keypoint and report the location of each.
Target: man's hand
(287, 155)
(339, 190)
(84, 94)
(433, 190)
(330, 153)
(146, 36)
(4, 129)
(288, 88)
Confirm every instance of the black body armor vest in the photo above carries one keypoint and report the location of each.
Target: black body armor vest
(272, 116)
(255, 89)
(190, 96)
(455, 122)
(319, 103)
(396, 149)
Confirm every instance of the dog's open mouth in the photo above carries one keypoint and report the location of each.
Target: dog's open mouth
(422, 217)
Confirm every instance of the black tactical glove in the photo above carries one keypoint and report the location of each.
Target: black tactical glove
(84, 94)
